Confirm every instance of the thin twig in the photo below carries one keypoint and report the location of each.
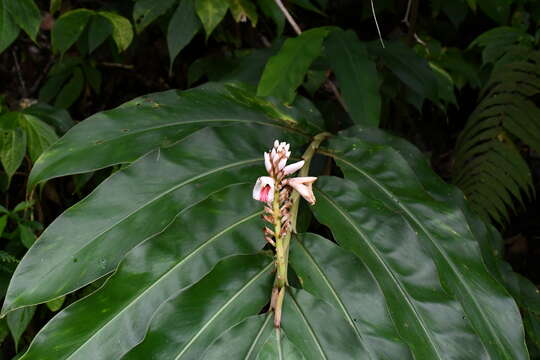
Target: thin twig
(288, 17)
(377, 23)
(19, 74)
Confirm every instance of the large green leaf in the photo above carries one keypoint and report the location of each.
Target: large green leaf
(285, 71)
(122, 135)
(68, 28)
(184, 25)
(26, 14)
(387, 189)
(244, 340)
(357, 76)
(8, 29)
(342, 280)
(182, 329)
(89, 239)
(111, 321)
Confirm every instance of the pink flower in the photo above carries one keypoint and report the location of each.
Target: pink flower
(304, 187)
(289, 169)
(264, 189)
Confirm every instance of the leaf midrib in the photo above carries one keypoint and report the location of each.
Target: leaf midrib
(174, 188)
(258, 336)
(338, 299)
(396, 281)
(176, 266)
(436, 245)
(223, 307)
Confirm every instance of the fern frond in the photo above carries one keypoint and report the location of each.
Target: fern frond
(6, 257)
(488, 164)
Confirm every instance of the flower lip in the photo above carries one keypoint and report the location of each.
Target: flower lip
(264, 189)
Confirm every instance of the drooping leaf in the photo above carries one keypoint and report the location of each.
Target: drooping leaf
(184, 25)
(71, 90)
(242, 10)
(437, 227)
(244, 340)
(211, 12)
(146, 11)
(238, 287)
(26, 14)
(116, 136)
(99, 30)
(91, 238)
(68, 28)
(116, 317)
(336, 276)
(18, 321)
(8, 29)
(39, 135)
(122, 32)
(410, 68)
(285, 71)
(356, 75)
(13, 149)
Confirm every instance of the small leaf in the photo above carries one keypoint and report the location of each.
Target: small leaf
(56, 304)
(146, 11)
(285, 71)
(39, 135)
(18, 321)
(99, 30)
(357, 77)
(54, 6)
(13, 150)
(184, 25)
(58, 118)
(27, 236)
(71, 91)
(8, 29)
(25, 14)
(211, 12)
(68, 28)
(122, 30)
(23, 205)
(242, 10)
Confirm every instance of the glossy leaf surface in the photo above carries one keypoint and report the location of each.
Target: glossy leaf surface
(123, 134)
(26, 14)
(437, 229)
(182, 329)
(89, 239)
(117, 316)
(342, 280)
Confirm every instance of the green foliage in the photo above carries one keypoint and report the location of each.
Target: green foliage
(405, 280)
(488, 165)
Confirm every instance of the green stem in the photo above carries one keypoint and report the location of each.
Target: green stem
(283, 242)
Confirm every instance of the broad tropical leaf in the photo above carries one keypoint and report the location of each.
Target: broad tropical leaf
(342, 280)
(117, 316)
(124, 134)
(89, 239)
(237, 288)
(436, 232)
